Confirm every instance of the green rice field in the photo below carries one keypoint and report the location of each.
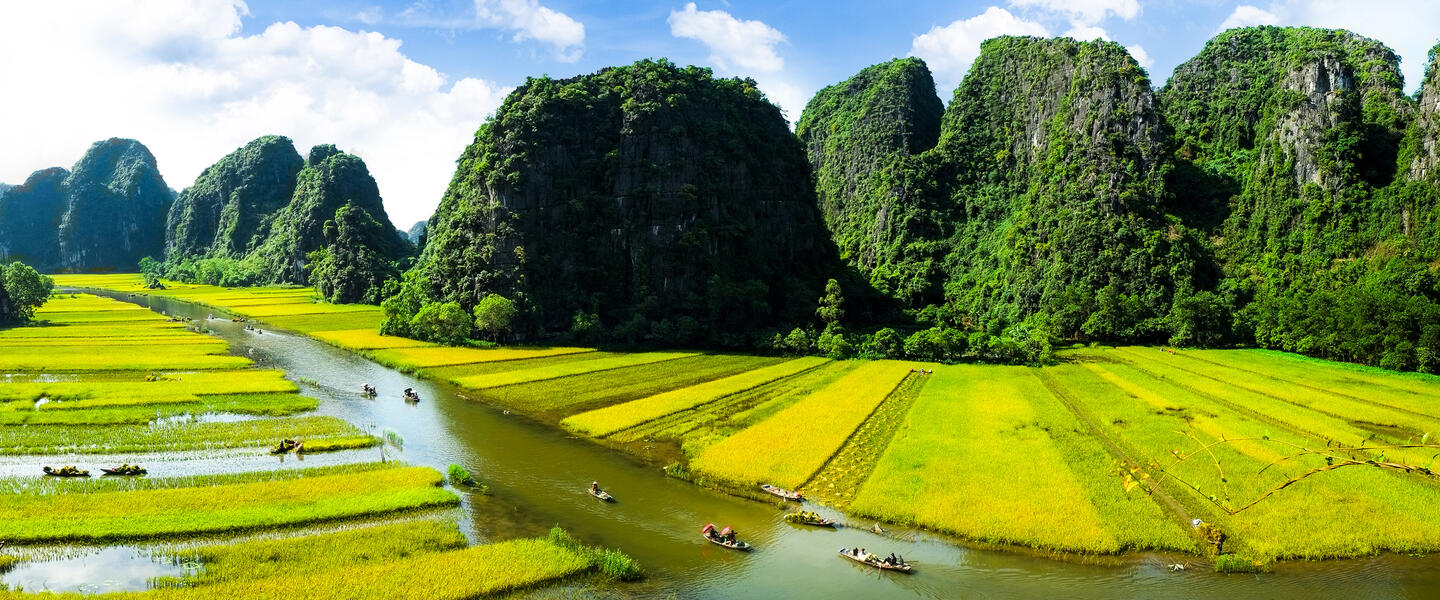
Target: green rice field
(1110, 450)
(93, 375)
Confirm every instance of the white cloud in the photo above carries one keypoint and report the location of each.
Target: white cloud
(1086, 33)
(533, 21)
(1141, 56)
(182, 79)
(950, 50)
(1407, 26)
(1248, 16)
(743, 48)
(1085, 12)
(735, 45)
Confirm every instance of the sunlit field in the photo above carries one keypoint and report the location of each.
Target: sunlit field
(1082, 456)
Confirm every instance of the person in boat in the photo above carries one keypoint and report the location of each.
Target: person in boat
(595, 488)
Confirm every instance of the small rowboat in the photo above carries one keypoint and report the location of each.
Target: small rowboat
(735, 545)
(124, 471)
(602, 495)
(66, 472)
(803, 519)
(783, 493)
(869, 560)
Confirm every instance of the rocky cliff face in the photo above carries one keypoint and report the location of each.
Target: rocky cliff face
(861, 135)
(30, 215)
(1052, 156)
(227, 211)
(106, 213)
(1286, 114)
(1424, 140)
(643, 193)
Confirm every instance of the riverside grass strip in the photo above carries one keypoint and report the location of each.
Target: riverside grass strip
(790, 447)
(608, 420)
(441, 356)
(258, 433)
(495, 380)
(977, 457)
(1414, 392)
(1343, 513)
(131, 387)
(475, 572)
(68, 413)
(366, 339)
(117, 358)
(239, 507)
(259, 559)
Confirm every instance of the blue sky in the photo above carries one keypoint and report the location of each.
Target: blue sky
(405, 83)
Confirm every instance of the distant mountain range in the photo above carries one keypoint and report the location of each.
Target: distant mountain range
(1279, 190)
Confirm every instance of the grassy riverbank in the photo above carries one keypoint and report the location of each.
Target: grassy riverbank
(1084, 456)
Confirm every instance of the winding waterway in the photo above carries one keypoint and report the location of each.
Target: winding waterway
(537, 476)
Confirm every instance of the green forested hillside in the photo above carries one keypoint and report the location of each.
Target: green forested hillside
(229, 208)
(862, 136)
(1301, 154)
(104, 214)
(643, 202)
(264, 215)
(1278, 191)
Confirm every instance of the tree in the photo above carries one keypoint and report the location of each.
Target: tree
(495, 314)
(441, 322)
(27, 290)
(831, 304)
(885, 343)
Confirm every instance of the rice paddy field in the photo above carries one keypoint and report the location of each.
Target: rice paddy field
(94, 376)
(1111, 450)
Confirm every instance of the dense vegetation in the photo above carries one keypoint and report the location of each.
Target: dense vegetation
(1279, 191)
(263, 215)
(640, 203)
(104, 214)
(1303, 158)
(22, 290)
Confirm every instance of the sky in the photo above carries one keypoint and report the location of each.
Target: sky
(404, 84)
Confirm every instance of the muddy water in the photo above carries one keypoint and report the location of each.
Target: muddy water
(537, 476)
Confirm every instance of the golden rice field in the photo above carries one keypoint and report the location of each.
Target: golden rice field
(1112, 449)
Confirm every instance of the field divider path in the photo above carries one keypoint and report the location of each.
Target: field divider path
(619, 418)
(1057, 389)
(586, 367)
(1375, 403)
(1264, 394)
(852, 464)
(856, 431)
(1235, 406)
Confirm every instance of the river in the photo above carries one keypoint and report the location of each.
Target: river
(537, 477)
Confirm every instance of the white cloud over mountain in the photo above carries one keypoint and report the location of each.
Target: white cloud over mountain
(182, 78)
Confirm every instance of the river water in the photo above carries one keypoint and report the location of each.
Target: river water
(537, 477)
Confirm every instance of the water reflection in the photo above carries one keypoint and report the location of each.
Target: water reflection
(96, 570)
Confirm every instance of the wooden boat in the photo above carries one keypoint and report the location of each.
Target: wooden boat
(735, 545)
(602, 495)
(69, 471)
(125, 470)
(284, 446)
(869, 560)
(783, 493)
(803, 518)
